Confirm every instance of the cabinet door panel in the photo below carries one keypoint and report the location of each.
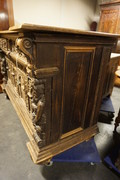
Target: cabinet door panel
(78, 64)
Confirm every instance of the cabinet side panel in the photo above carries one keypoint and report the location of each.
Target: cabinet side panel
(78, 64)
(101, 82)
(56, 107)
(92, 99)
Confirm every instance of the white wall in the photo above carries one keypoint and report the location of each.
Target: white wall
(97, 12)
(63, 13)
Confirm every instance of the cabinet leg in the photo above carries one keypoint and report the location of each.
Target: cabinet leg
(49, 163)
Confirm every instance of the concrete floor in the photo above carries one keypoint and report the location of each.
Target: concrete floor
(15, 161)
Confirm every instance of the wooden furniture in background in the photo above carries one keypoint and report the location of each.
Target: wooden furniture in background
(110, 74)
(110, 22)
(6, 21)
(54, 78)
(110, 17)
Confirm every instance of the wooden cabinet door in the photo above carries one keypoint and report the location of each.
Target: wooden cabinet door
(78, 65)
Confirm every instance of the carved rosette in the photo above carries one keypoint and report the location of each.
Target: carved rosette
(37, 108)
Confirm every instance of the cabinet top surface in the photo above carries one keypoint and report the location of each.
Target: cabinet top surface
(52, 29)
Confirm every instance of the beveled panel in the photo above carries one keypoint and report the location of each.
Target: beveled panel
(78, 63)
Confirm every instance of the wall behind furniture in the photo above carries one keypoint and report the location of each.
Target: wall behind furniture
(63, 13)
(97, 12)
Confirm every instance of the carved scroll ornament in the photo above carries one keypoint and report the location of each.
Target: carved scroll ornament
(25, 45)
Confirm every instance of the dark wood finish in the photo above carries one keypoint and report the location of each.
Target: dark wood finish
(78, 64)
(54, 79)
(6, 20)
(110, 22)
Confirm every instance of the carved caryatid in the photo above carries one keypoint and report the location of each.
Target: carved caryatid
(37, 108)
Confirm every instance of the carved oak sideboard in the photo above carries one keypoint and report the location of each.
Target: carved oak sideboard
(54, 78)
